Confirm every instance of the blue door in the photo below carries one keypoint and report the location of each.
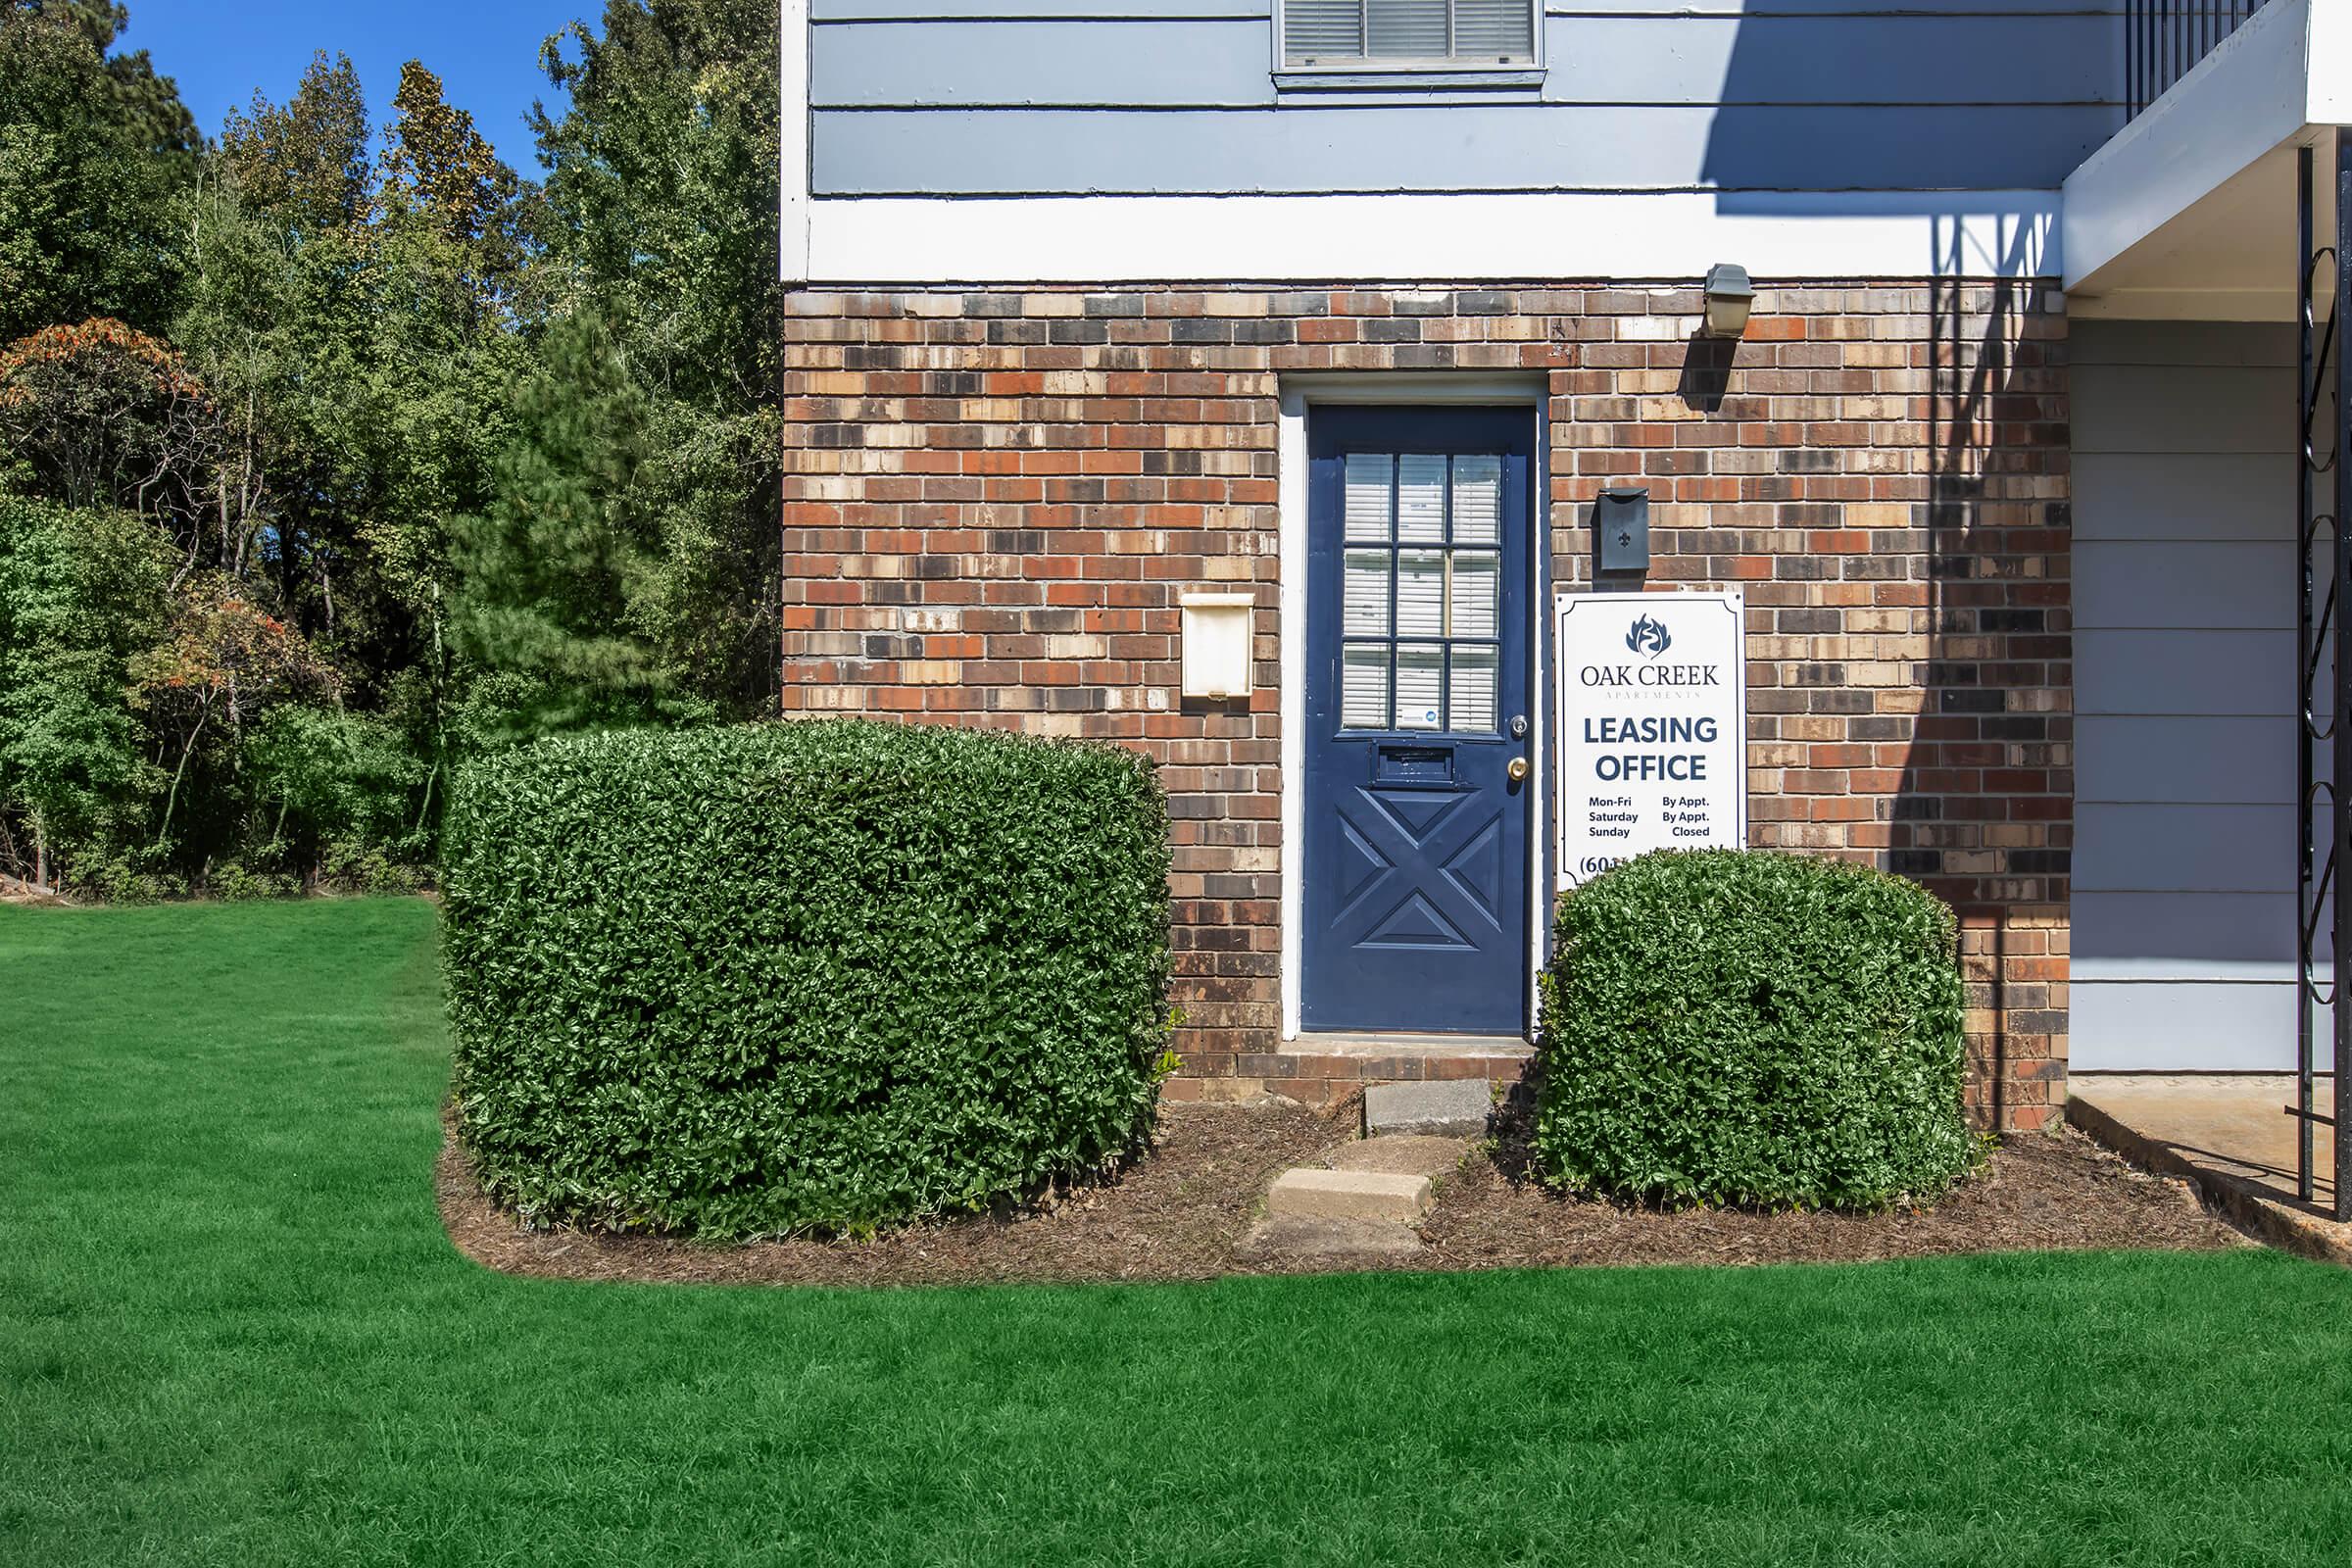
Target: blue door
(1415, 867)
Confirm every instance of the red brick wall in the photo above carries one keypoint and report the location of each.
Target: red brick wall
(993, 500)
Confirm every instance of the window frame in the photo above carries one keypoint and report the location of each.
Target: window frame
(1450, 548)
(1378, 69)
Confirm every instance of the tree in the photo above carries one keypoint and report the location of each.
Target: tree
(102, 415)
(223, 662)
(82, 593)
(436, 165)
(91, 152)
(279, 248)
(559, 573)
(446, 354)
(660, 203)
(147, 105)
(304, 164)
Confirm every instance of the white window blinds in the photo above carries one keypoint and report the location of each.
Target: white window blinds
(1463, 32)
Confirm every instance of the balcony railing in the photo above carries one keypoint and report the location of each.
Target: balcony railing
(2163, 39)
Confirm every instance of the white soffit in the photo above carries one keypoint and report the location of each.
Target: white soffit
(2189, 211)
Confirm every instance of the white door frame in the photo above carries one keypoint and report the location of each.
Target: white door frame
(1298, 395)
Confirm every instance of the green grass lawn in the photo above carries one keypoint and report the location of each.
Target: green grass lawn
(231, 1332)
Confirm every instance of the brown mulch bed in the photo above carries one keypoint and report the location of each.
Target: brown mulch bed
(2041, 1192)
(1179, 1211)
(1173, 1214)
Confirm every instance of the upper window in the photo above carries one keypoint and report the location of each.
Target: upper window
(1406, 34)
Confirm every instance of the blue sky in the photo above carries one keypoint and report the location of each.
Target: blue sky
(486, 52)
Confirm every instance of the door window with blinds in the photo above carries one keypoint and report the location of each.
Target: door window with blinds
(1406, 34)
(1420, 592)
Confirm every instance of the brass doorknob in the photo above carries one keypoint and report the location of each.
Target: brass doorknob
(1518, 771)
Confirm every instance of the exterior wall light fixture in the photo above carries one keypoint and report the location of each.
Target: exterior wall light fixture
(1729, 296)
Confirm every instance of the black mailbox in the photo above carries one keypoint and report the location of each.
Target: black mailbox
(1621, 531)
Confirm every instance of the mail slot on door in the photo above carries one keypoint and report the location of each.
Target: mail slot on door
(1428, 767)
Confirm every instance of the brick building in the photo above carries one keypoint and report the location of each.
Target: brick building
(1102, 313)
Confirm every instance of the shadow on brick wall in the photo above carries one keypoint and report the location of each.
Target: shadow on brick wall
(1982, 813)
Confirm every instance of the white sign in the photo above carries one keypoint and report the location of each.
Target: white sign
(1653, 726)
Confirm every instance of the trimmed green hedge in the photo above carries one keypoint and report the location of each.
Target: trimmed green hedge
(801, 977)
(1732, 1026)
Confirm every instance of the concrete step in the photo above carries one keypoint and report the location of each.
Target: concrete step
(1308, 1193)
(1442, 1107)
(1297, 1235)
(1403, 1153)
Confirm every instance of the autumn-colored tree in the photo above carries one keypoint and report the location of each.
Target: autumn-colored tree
(103, 416)
(437, 164)
(224, 661)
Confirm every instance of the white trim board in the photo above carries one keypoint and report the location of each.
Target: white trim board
(792, 134)
(1299, 394)
(2272, 83)
(1548, 235)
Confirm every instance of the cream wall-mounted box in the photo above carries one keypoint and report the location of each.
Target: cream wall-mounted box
(1217, 631)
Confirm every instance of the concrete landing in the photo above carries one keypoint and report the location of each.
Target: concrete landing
(2230, 1135)
(1449, 1108)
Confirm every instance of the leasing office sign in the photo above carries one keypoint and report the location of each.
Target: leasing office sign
(1652, 726)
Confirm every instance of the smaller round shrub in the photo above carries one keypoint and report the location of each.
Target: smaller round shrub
(1747, 1027)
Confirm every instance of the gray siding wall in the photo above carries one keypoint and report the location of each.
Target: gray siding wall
(2183, 573)
(931, 97)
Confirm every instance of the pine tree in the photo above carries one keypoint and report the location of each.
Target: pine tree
(92, 149)
(660, 207)
(559, 571)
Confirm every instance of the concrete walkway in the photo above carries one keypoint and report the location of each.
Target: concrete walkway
(2228, 1134)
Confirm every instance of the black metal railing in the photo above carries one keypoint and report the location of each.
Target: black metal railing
(2163, 39)
(2324, 696)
